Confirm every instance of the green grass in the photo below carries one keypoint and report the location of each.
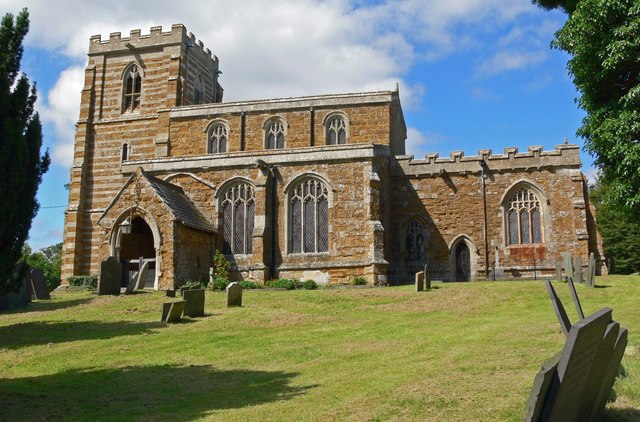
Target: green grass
(459, 352)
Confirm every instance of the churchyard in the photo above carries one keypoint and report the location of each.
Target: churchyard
(460, 351)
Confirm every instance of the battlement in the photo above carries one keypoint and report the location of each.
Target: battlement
(178, 35)
(564, 155)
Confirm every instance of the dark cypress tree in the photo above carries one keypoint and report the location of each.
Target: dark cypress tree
(21, 165)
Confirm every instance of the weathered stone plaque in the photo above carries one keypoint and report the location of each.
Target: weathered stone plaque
(142, 276)
(110, 277)
(39, 289)
(563, 319)
(234, 294)
(172, 311)
(419, 281)
(195, 302)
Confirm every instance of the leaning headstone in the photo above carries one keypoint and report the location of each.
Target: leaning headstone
(568, 265)
(195, 302)
(110, 277)
(561, 314)
(558, 271)
(610, 375)
(419, 281)
(142, 276)
(427, 278)
(591, 271)
(234, 294)
(132, 283)
(577, 270)
(39, 289)
(576, 301)
(540, 389)
(172, 311)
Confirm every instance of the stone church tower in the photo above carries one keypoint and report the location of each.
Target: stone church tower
(310, 187)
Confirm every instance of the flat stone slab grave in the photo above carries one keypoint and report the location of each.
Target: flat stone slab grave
(234, 294)
(39, 289)
(110, 277)
(195, 302)
(172, 311)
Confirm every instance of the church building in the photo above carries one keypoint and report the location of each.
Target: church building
(318, 187)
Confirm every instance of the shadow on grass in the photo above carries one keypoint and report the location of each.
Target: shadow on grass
(622, 415)
(48, 305)
(35, 333)
(142, 393)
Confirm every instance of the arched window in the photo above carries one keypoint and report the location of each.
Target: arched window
(414, 242)
(524, 218)
(336, 129)
(125, 152)
(309, 217)
(274, 134)
(132, 82)
(198, 91)
(238, 207)
(217, 139)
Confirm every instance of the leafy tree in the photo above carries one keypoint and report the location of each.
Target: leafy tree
(21, 164)
(48, 259)
(620, 234)
(603, 38)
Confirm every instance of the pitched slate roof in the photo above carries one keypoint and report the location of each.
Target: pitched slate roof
(183, 208)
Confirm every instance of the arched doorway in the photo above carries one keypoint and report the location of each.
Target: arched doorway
(136, 248)
(462, 257)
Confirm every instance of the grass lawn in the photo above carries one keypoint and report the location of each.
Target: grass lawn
(460, 352)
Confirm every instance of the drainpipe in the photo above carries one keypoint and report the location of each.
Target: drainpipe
(274, 185)
(485, 171)
(312, 118)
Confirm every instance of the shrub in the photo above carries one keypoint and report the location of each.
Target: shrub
(309, 285)
(359, 281)
(88, 281)
(250, 285)
(221, 266)
(220, 283)
(282, 283)
(192, 284)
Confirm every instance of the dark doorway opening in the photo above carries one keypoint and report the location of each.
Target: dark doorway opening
(136, 248)
(462, 262)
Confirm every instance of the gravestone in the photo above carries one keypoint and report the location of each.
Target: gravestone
(591, 271)
(38, 284)
(170, 293)
(212, 276)
(563, 319)
(234, 294)
(576, 301)
(540, 389)
(172, 311)
(195, 302)
(610, 375)
(110, 277)
(577, 270)
(21, 297)
(142, 276)
(558, 271)
(568, 265)
(419, 281)
(427, 278)
(132, 283)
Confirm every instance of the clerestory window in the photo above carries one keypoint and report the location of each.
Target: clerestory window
(132, 90)
(524, 218)
(336, 130)
(274, 134)
(238, 219)
(309, 217)
(217, 139)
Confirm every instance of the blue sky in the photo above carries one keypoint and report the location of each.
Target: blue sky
(473, 74)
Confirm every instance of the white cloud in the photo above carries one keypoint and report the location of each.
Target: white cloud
(508, 60)
(592, 174)
(418, 142)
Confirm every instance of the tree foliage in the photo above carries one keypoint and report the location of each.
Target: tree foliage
(48, 259)
(21, 164)
(567, 5)
(603, 38)
(620, 234)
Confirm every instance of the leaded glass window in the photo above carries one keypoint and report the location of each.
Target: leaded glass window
(336, 131)
(274, 136)
(217, 139)
(238, 219)
(524, 218)
(309, 221)
(414, 242)
(132, 90)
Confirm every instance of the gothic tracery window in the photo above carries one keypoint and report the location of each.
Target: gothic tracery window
(274, 134)
(217, 139)
(415, 242)
(309, 217)
(132, 90)
(336, 130)
(524, 218)
(238, 219)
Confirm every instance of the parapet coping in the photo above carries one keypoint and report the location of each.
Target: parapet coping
(327, 100)
(156, 37)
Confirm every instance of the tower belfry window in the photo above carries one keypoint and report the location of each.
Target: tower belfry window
(336, 131)
(275, 135)
(132, 90)
(218, 139)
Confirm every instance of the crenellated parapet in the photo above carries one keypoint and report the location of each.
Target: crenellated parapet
(156, 38)
(564, 155)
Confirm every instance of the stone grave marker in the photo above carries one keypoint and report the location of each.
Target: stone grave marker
(558, 271)
(170, 293)
(22, 297)
(132, 283)
(234, 294)
(540, 389)
(591, 271)
(427, 278)
(195, 302)
(568, 264)
(563, 319)
(142, 276)
(38, 284)
(577, 270)
(110, 277)
(576, 301)
(419, 281)
(610, 374)
(172, 311)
